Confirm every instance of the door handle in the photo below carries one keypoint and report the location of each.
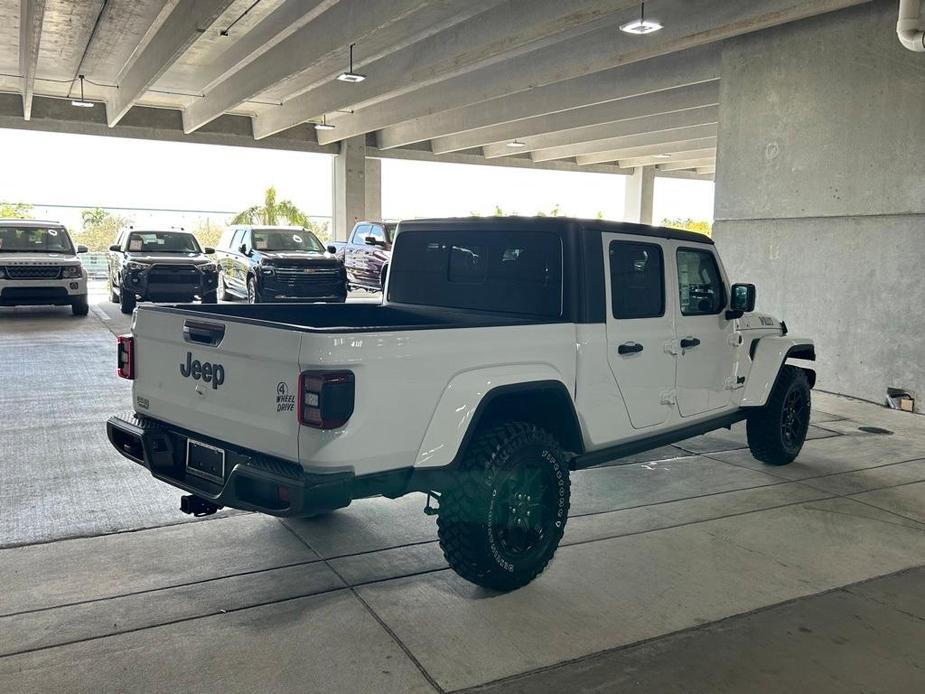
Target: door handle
(203, 333)
(689, 342)
(629, 348)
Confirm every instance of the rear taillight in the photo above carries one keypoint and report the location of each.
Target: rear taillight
(125, 349)
(325, 398)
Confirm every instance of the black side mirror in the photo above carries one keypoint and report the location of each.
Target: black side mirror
(332, 250)
(114, 247)
(83, 249)
(208, 250)
(371, 241)
(742, 301)
(243, 249)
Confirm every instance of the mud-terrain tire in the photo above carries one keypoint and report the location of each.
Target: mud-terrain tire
(80, 306)
(776, 432)
(501, 521)
(126, 301)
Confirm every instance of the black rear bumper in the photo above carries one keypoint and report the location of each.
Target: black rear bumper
(252, 482)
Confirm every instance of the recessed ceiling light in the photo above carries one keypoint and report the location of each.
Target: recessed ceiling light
(516, 144)
(324, 125)
(351, 76)
(81, 102)
(641, 26)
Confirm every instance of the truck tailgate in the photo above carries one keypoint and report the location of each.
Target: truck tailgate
(232, 381)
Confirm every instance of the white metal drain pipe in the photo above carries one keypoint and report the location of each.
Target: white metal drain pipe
(909, 27)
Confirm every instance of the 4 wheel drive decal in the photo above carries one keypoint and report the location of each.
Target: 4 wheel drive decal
(205, 370)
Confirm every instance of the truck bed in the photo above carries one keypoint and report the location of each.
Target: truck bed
(337, 318)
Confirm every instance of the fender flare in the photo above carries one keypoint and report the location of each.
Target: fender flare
(467, 399)
(768, 357)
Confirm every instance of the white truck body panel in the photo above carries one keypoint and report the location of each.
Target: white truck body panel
(243, 409)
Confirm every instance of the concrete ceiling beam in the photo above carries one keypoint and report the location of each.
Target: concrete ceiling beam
(661, 123)
(180, 29)
(348, 21)
(645, 140)
(684, 165)
(501, 32)
(684, 156)
(284, 20)
(647, 151)
(559, 102)
(31, 17)
(562, 127)
(687, 25)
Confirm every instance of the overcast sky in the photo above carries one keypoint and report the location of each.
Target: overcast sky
(85, 171)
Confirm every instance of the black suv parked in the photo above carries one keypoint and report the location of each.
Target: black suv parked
(278, 264)
(160, 266)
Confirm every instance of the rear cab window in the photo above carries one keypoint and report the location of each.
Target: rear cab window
(498, 271)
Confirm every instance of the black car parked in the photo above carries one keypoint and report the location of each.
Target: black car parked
(278, 264)
(160, 266)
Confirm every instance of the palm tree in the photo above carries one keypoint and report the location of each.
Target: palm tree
(272, 211)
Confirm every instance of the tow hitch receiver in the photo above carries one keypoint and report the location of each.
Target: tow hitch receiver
(197, 507)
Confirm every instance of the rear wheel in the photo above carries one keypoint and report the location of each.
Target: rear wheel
(501, 521)
(80, 306)
(126, 301)
(777, 431)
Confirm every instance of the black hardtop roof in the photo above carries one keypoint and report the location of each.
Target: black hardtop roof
(559, 224)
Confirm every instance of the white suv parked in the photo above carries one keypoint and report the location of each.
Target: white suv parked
(39, 266)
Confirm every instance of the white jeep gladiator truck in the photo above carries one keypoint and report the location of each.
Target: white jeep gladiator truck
(506, 353)
(39, 266)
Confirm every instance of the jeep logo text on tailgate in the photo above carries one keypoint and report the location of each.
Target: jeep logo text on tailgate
(207, 371)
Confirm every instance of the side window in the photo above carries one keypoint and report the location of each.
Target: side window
(637, 280)
(359, 234)
(225, 242)
(245, 238)
(700, 284)
(376, 232)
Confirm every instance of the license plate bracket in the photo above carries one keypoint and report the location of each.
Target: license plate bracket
(205, 460)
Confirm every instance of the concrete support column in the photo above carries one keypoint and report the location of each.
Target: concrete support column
(640, 194)
(373, 189)
(349, 188)
(820, 192)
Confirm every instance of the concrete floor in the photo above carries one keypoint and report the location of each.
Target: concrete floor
(693, 569)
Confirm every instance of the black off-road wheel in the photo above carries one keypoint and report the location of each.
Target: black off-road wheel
(80, 306)
(777, 431)
(501, 521)
(126, 301)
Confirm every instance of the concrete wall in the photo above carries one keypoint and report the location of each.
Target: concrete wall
(820, 191)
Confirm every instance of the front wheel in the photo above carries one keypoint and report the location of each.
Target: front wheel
(126, 301)
(777, 431)
(222, 289)
(253, 296)
(502, 519)
(80, 306)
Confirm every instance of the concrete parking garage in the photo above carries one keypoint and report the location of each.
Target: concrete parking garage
(690, 568)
